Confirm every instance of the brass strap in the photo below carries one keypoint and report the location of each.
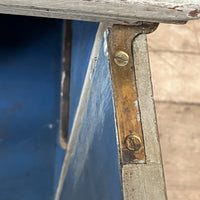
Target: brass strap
(127, 112)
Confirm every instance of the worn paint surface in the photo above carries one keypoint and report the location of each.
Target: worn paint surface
(82, 39)
(145, 181)
(81, 106)
(94, 171)
(114, 11)
(83, 35)
(30, 69)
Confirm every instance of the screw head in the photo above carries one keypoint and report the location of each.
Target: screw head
(133, 142)
(121, 58)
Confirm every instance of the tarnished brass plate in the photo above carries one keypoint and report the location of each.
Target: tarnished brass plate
(127, 111)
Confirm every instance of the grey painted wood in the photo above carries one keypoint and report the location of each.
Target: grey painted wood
(115, 11)
(145, 181)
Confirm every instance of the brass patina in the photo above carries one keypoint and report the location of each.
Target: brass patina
(127, 111)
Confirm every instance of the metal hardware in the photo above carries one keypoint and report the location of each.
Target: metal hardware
(127, 110)
(133, 142)
(121, 58)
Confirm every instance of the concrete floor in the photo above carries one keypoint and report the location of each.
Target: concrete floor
(175, 65)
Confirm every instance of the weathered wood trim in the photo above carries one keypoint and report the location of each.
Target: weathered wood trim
(115, 11)
(145, 181)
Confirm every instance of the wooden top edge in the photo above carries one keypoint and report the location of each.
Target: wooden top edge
(114, 11)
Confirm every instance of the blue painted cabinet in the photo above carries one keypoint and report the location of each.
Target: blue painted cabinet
(31, 158)
(30, 76)
(94, 170)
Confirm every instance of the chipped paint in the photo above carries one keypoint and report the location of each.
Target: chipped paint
(138, 112)
(105, 45)
(50, 126)
(194, 13)
(63, 78)
(113, 11)
(80, 108)
(178, 8)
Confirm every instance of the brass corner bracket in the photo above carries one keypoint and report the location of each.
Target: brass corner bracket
(127, 111)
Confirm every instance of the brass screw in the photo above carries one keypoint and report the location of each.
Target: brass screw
(121, 58)
(133, 142)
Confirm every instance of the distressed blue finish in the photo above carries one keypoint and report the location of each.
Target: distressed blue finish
(83, 35)
(94, 171)
(30, 77)
(30, 73)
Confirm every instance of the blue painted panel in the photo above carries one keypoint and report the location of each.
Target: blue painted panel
(30, 72)
(83, 35)
(94, 171)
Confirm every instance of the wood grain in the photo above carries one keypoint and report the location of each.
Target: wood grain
(115, 11)
(179, 130)
(175, 63)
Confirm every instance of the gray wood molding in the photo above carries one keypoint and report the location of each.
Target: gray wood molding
(114, 11)
(145, 181)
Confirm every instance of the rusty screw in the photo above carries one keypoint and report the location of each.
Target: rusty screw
(121, 58)
(133, 142)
